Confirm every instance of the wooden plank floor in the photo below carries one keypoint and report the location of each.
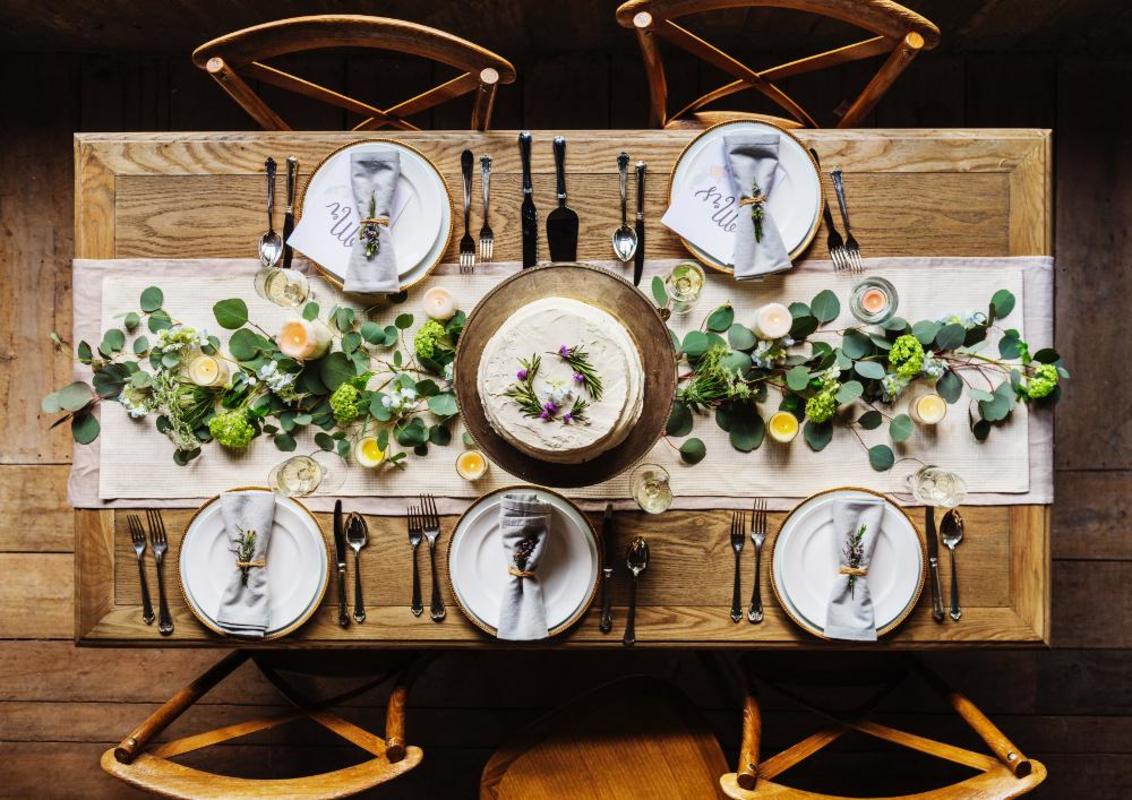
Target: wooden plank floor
(1070, 706)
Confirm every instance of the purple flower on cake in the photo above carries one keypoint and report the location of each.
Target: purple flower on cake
(568, 417)
(579, 377)
(564, 351)
(522, 374)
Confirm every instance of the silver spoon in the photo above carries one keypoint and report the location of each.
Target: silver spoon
(357, 534)
(637, 559)
(951, 534)
(271, 244)
(624, 238)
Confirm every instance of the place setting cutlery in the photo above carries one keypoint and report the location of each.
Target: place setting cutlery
(340, 562)
(357, 535)
(852, 250)
(637, 560)
(137, 537)
(467, 243)
(528, 215)
(639, 254)
(833, 242)
(624, 238)
(487, 237)
(758, 538)
(416, 534)
(933, 562)
(271, 243)
(289, 213)
(424, 523)
(562, 222)
(159, 543)
(738, 536)
(606, 624)
(951, 534)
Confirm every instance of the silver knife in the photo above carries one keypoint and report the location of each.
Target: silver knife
(528, 216)
(289, 216)
(607, 569)
(933, 562)
(340, 557)
(639, 256)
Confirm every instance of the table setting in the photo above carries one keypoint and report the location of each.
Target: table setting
(583, 434)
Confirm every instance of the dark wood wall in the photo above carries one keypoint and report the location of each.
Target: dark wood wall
(124, 65)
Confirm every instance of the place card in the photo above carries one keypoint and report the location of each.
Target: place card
(705, 210)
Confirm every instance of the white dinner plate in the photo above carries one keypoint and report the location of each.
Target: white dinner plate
(568, 570)
(422, 218)
(297, 564)
(805, 562)
(795, 200)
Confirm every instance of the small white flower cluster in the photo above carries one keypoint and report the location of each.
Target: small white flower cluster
(770, 353)
(932, 367)
(891, 386)
(281, 383)
(559, 393)
(448, 371)
(179, 337)
(137, 402)
(399, 400)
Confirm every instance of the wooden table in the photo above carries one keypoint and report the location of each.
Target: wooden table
(914, 193)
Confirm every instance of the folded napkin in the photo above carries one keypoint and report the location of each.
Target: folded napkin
(752, 160)
(248, 517)
(525, 523)
(373, 178)
(856, 525)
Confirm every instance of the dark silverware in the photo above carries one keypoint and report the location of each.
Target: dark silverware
(637, 559)
(639, 255)
(933, 562)
(357, 534)
(852, 250)
(340, 559)
(289, 214)
(271, 243)
(624, 238)
(160, 543)
(738, 536)
(487, 237)
(416, 532)
(137, 536)
(758, 537)
(432, 532)
(467, 243)
(607, 569)
(527, 213)
(562, 222)
(951, 532)
(834, 243)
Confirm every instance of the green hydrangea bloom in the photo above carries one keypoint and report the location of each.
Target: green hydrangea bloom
(344, 403)
(906, 358)
(431, 337)
(1042, 382)
(820, 407)
(231, 429)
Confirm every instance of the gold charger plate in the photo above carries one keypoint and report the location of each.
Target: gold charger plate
(601, 289)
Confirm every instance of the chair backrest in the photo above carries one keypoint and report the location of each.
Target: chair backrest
(896, 30)
(231, 58)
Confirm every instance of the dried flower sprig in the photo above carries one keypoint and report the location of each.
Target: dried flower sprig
(584, 372)
(368, 233)
(244, 552)
(855, 554)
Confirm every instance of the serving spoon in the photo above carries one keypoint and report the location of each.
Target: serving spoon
(624, 238)
(637, 559)
(951, 534)
(271, 243)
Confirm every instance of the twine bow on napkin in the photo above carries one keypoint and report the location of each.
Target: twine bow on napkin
(856, 524)
(525, 523)
(752, 161)
(248, 517)
(373, 179)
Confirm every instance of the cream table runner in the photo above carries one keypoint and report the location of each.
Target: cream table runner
(131, 463)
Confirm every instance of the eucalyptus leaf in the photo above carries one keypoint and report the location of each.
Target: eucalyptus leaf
(141, 346)
(440, 435)
(112, 341)
(403, 321)
(1002, 302)
(679, 421)
(351, 342)
(881, 457)
(747, 429)
(692, 451)
(818, 434)
(373, 333)
(151, 299)
(132, 321)
(721, 319)
(1047, 355)
(925, 331)
(231, 313)
(427, 388)
(659, 292)
(695, 344)
(871, 420)
(84, 352)
(900, 428)
(950, 336)
(74, 396)
(159, 321)
(825, 306)
(949, 386)
(335, 369)
(849, 391)
(740, 337)
(856, 345)
(803, 327)
(797, 378)
(84, 427)
(1010, 345)
(244, 345)
(310, 311)
(869, 369)
(284, 441)
(443, 405)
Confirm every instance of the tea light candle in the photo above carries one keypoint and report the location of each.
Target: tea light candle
(438, 303)
(208, 371)
(874, 300)
(368, 453)
(471, 465)
(783, 427)
(928, 409)
(773, 321)
(304, 340)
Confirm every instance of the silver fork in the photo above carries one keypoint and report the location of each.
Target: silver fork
(137, 536)
(357, 535)
(738, 523)
(758, 536)
(467, 243)
(431, 532)
(487, 238)
(160, 543)
(415, 530)
(851, 247)
(834, 243)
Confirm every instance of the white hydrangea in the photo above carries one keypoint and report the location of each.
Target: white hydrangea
(933, 367)
(891, 386)
(275, 380)
(135, 401)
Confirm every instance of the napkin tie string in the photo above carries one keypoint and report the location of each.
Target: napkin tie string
(854, 571)
(259, 562)
(520, 573)
(757, 200)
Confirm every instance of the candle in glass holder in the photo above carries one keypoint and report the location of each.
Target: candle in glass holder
(438, 303)
(368, 453)
(928, 409)
(773, 321)
(873, 300)
(471, 465)
(783, 427)
(304, 340)
(205, 370)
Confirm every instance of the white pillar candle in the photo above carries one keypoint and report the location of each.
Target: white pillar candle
(773, 321)
(304, 340)
(207, 370)
(438, 303)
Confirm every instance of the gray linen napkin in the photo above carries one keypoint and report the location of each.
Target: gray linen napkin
(244, 608)
(525, 522)
(851, 615)
(752, 159)
(373, 176)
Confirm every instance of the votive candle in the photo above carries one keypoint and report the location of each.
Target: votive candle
(471, 465)
(773, 321)
(304, 340)
(438, 303)
(783, 427)
(928, 409)
(205, 370)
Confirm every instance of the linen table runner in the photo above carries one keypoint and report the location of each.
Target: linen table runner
(131, 463)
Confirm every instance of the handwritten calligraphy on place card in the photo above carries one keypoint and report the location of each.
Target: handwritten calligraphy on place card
(705, 208)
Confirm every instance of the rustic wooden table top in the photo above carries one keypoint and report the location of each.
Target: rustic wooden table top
(914, 193)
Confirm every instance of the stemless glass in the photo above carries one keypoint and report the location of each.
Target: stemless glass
(651, 488)
(684, 284)
(937, 487)
(284, 287)
(300, 476)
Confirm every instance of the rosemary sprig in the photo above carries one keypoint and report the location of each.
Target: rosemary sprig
(369, 233)
(757, 210)
(577, 412)
(245, 551)
(523, 390)
(579, 361)
(854, 553)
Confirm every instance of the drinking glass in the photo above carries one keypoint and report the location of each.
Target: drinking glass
(937, 487)
(684, 284)
(651, 488)
(300, 476)
(284, 287)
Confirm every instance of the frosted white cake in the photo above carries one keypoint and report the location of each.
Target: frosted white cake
(541, 330)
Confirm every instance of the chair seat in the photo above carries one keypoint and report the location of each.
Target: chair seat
(705, 119)
(638, 737)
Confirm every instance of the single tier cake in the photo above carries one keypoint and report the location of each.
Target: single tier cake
(561, 381)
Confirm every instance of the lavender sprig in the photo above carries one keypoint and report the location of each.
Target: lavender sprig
(584, 372)
(523, 390)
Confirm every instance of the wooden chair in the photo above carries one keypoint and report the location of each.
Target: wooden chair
(897, 31)
(1006, 774)
(244, 53)
(636, 737)
(150, 768)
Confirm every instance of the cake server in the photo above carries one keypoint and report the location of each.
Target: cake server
(639, 256)
(528, 215)
(562, 222)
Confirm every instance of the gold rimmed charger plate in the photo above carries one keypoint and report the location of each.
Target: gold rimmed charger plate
(302, 196)
(589, 531)
(805, 624)
(601, 289)
(702, 257)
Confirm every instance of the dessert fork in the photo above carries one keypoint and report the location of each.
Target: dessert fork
(487, 238)
(851, 247)
(160, 543)
(834, 243)
(432, 532)
(415, 531)
(467, 243)
(758, 536)
(738, 523)
(137, 536)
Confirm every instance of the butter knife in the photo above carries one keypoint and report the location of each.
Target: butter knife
(933, 562)
(289, 216)
(340, 557)
(607, 569)
(528, 215)
(639, 256)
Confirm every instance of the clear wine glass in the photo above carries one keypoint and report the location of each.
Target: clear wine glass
(652, 488)
(284, 287)
(937, 487)
(301, 476)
